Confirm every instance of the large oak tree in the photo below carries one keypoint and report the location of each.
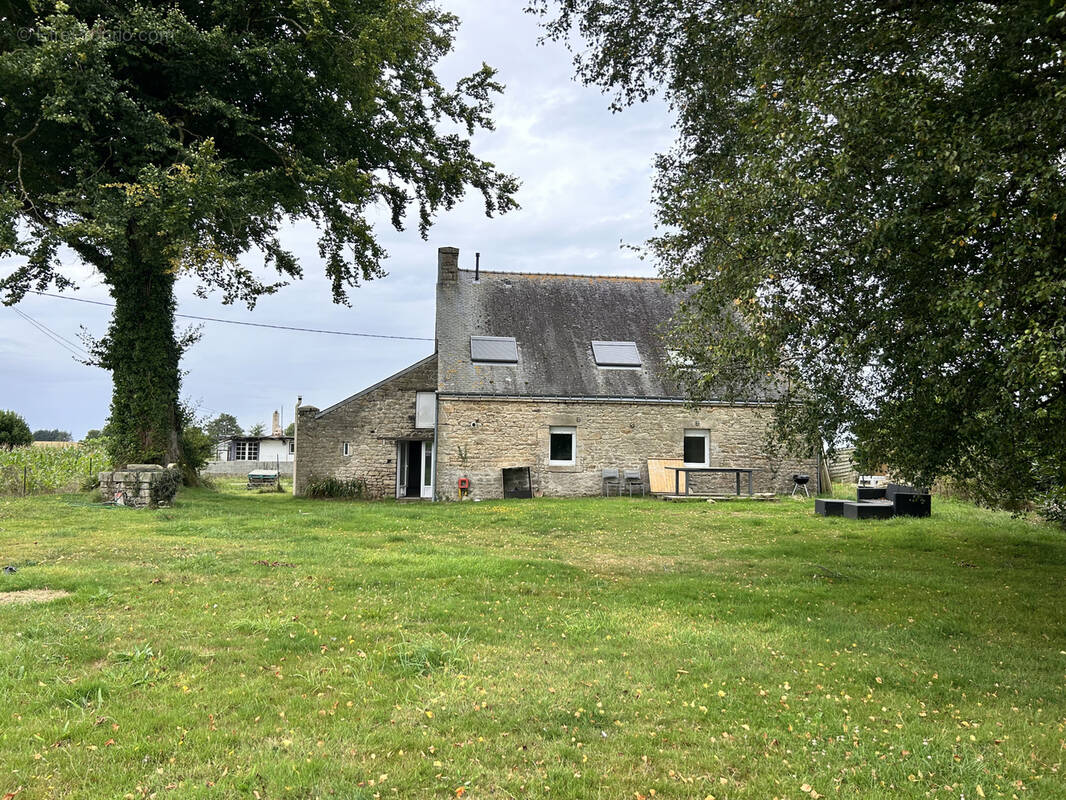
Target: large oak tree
(161, 140)
(876, 190)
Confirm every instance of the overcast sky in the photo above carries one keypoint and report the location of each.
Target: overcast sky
(586, 188)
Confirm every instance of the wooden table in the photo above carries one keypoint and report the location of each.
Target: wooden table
(688, 484)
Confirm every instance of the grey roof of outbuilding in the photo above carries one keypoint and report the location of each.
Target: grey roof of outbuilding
(555, 319)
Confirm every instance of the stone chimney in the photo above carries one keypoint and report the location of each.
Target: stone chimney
(447, 264)
(275, 426)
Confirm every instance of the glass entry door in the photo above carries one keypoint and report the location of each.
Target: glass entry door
(414, 469)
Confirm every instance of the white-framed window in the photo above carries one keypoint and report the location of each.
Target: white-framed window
(292, 446)
(244, 450)
(425, 409)
(697, 448)
(346, 449)
(562, 446)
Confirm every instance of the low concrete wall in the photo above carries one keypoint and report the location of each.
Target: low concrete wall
(241, 468)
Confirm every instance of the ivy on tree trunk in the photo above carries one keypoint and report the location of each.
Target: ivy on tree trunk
(142, 352)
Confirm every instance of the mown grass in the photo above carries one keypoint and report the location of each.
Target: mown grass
(548, 648)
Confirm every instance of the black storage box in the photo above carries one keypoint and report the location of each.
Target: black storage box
(829, 507)
(870, 493)
(909, 501)
(869, 509)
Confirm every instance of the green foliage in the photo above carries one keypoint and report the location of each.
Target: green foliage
(1052, 507)
(53, 435)
(331, 488)
(166, 486)
(14, 432)
(51, 469)
(93, 433)
(290, 429)
(224, 426)
(257, 430)
(197, 448)
(166, 140)
(874, 193)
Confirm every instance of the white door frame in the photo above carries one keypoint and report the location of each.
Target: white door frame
(401, 462)
(426, 463)
(404, 467)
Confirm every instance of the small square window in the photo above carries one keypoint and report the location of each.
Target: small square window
(562, 446)
(292, 446)
(697, 448)
(346, 449)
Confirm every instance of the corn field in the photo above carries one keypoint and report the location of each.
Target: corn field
(44, 470)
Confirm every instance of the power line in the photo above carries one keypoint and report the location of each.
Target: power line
(33, 323)
(40, 324)
(253, 324)
(66, 344)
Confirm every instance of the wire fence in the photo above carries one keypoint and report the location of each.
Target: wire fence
(39, 470)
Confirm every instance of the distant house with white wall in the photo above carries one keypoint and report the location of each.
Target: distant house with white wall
(239, 454)
(257, 448)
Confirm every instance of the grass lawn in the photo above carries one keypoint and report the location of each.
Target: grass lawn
(261, 646)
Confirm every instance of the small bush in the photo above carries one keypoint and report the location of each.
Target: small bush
(1053, 508)
(336, 489)
(166, 486)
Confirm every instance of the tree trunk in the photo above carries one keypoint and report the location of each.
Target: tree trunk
(142, 353)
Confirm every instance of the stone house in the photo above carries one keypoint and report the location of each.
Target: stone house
(563, 375)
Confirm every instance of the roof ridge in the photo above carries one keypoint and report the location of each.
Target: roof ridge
(564, 275)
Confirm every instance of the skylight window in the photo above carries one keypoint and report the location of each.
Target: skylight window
(616, 354)
(494, 349)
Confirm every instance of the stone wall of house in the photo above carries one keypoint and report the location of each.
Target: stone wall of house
(478, 438)
(371, 422)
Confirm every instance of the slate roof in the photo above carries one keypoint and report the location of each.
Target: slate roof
(555, 319)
